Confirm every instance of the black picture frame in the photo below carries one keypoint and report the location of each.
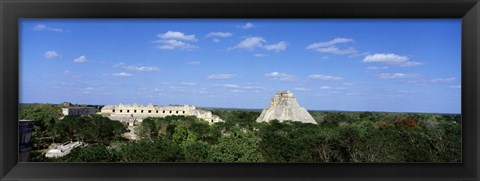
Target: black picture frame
(11, 11)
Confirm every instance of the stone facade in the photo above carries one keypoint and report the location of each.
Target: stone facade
(82, 111)
(283, 107)
(135, 113)
(25, 143)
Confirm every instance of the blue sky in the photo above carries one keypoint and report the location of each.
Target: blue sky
(329, 64)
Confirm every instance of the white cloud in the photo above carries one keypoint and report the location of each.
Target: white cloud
(188, 83)
(324, 77)
(230, 86)
(377, 68)
(278, 47)
(390, 58)
(348, 84)
(137, 68)
(302, 89)
(386, 58)
(175, 40)
(407, 92)
(455, 87)
(411, 64)
(337, 51)
(141, 68)
(217, 35)
(235, 86)
(279, 76)
(329, 43)
(91, 88)
(260, 55)
(237, 91)
(220, 34)
(175, 35)
(121, 64)
(221, 76)
(328, 47)
(396, 76)
(325, 88)
(174, 44)
(444, 80)
(42, 27)
(71, 74)
(39, 27)
(193, 63)
(250, 43)
(416, 80)
(51, 55)
(121, 74)
(247, 26)
(80, 59)
(250, 87)
(151, 92)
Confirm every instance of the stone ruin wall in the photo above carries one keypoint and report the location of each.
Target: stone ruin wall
(83, 111)
(135, 113)
(283, 96)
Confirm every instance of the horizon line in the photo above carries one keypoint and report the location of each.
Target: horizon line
(319, 110)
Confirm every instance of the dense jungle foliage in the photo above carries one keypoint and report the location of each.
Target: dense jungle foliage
(339, 137)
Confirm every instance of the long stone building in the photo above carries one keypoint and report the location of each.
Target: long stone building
(135, 113)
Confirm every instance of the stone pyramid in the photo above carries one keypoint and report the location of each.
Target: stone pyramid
(283, 107)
